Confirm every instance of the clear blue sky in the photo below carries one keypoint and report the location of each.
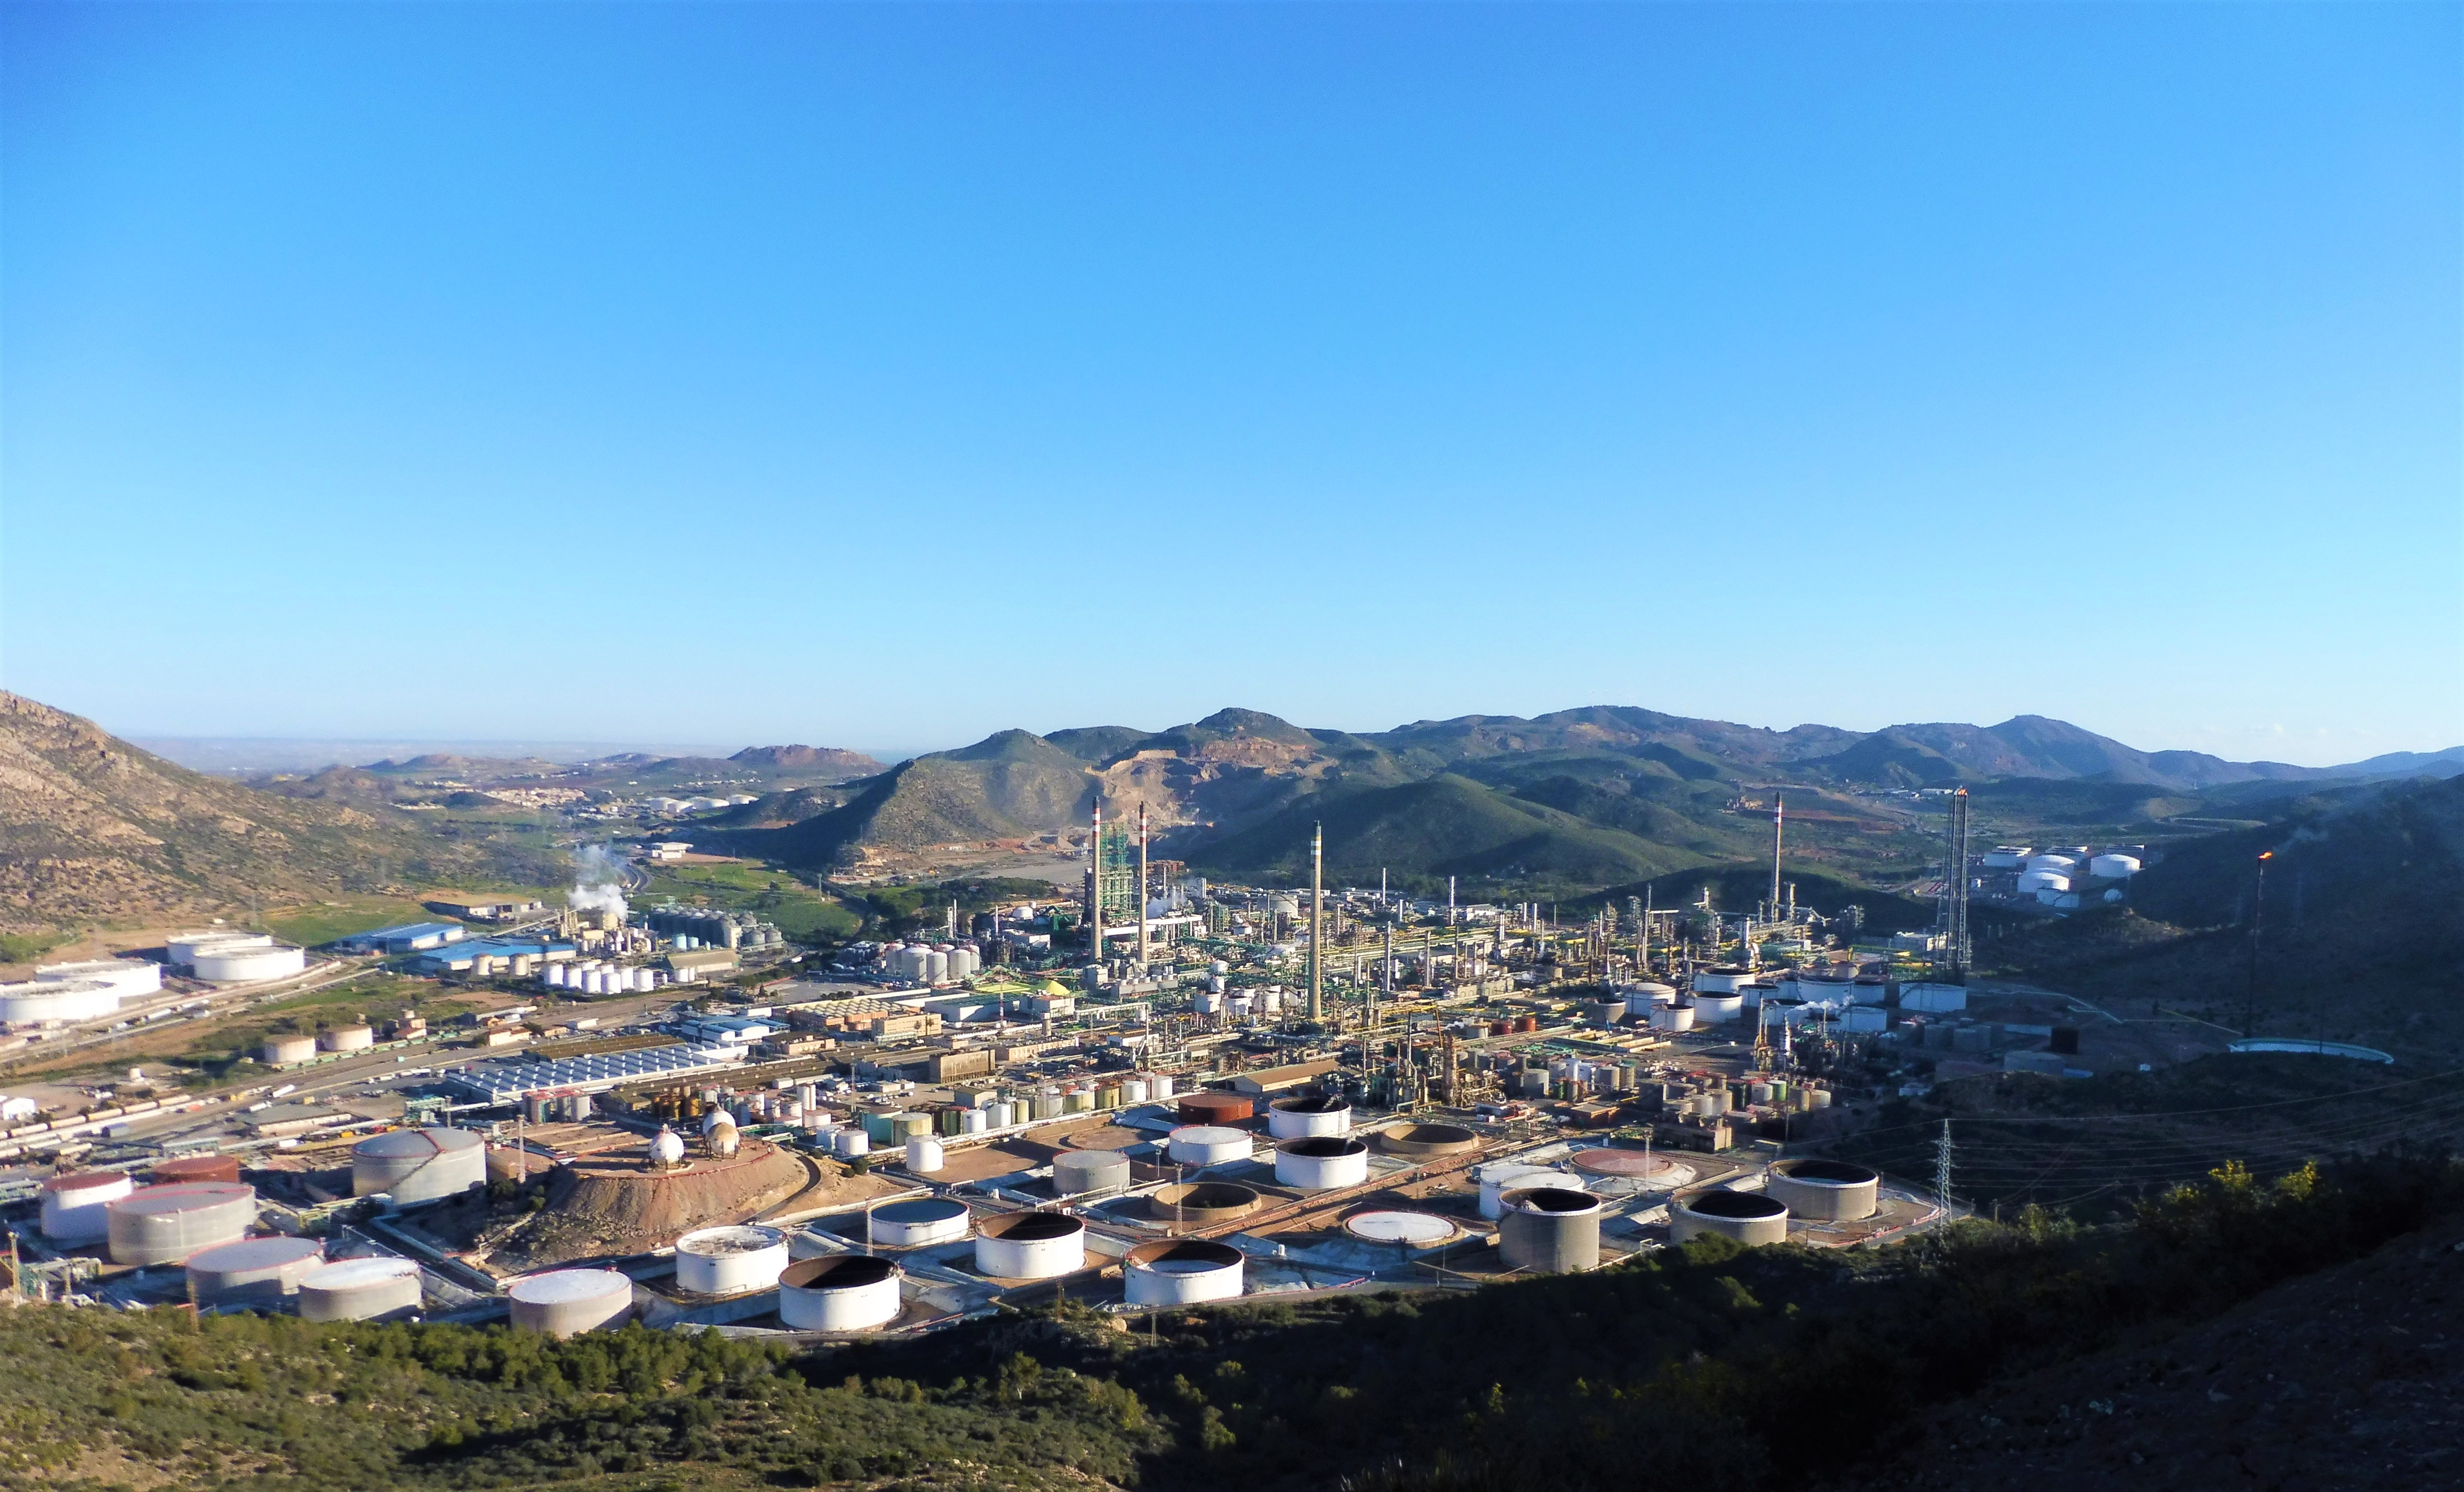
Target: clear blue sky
(885, 376)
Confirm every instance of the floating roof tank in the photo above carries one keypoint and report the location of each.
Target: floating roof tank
(843, 1292)
(729, 1260)
(565, 1303)
(1750, 1218)
(360, 1289)
(1030, 1246)
(1833, 1191)
(419, 1165)
(1203, 1203)
(1298, 1118)
(1429, 1139)
(1550, 1230)
(1321, 1162)
(1182, 1272)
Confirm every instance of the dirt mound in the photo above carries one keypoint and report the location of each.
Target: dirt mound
(2346, 1378)
(604, 1206)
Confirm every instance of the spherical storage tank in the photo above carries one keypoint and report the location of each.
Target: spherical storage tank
(729, 1260)
(919, 1222)
(843, 1292)
(667, 1148)
(1207, 1144)
(1506, 1176)
(221, 964)
(1321, 1162)
(359, 1289)
(252, 1270)
(74, 1207)
(565, 1303)
(1297, 1118)
(1833, 1191)
(1750, 1218)
(1090, 1173)
(1182, 1272)
(165, 1225)
(419, 1165)
(1550, 1230)
(1030, 1246)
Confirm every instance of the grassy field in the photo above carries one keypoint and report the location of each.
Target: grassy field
(323, 921)
(801, 912)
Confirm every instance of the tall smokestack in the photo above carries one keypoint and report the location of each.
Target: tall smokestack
(1317, 921)
(1142, 885)
(1095, 884)
(1779, 815)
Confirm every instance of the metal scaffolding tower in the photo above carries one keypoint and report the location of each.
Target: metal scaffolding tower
(1957, 950)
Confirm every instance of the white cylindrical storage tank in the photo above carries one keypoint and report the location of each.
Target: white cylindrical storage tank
(1321, 1162)
(840, 1292)
(220, 964)
(1718, 1009)
(419, 1165)
(2114, 867)
(2058, 863)
(1750, 1218)
(565, 1303)
(918, 1222)
(1833, 1191)
(76, 1207)
(729, 1260)
(1182, 1272)
(1550, 1230)
(1641, 1000)
(924, 1155)
(1298, 1118)
(1672, 1018)
(251, 1270)
(1206, 1002)
(286, 1051)
(1030, 1246)
(41, 1002)
(1506, 1176)
(974, 1121)
(849, 1142)
(359, 1289)
(1161, 1086)
(1080, 1174)
(346, 1039)
(182, 947)
(937, 967)
(165, 1225)
(1134, 1091)
(1207, 1144)
(2044, 881)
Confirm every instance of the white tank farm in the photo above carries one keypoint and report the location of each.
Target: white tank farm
(165, 1225)
(729, 1260)
(127, 976)
(1207, 1144)
(565, 1303)
(1499, 1177)
(843, 1292)
(1080, 1174)
(1030, 1246)
(918, 1222)
(1298, 1118)
(419, 1165)
(1182, 1272)
(220, 964)
(253, 1271)
(1321, 1162)
(1750, 1218)
(360, 1289)
(74, 1206)
(1833, 1191)
(43, 1001)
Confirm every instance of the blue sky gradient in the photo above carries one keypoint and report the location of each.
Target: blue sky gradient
(886, 376)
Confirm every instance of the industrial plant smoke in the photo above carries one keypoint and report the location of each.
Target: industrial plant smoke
(598, 881)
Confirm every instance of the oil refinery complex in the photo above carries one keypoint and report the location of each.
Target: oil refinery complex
(1158, 1092)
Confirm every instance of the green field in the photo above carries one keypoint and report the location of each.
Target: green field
(801, 912)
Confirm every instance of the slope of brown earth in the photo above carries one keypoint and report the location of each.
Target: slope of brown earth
(2351, 1378)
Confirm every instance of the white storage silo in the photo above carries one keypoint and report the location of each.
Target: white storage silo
(360, 1289)
(729, 1260)
(565, 1303)
(74, 1207)
(924, 1156)
(419, 1165)
(165, 1225)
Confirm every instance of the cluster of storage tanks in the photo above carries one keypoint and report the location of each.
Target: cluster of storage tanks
(1238, 1004)
(703, 927)
(598, 977)
(89, 990)
(931, 963)
(288, 1051)
(1758, 1094)
(222, 956)
(2060, 877)
(1817, 1191)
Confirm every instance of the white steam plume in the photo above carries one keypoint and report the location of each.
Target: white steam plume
(598, 881)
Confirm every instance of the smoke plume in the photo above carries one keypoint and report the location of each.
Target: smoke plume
(598, 881)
